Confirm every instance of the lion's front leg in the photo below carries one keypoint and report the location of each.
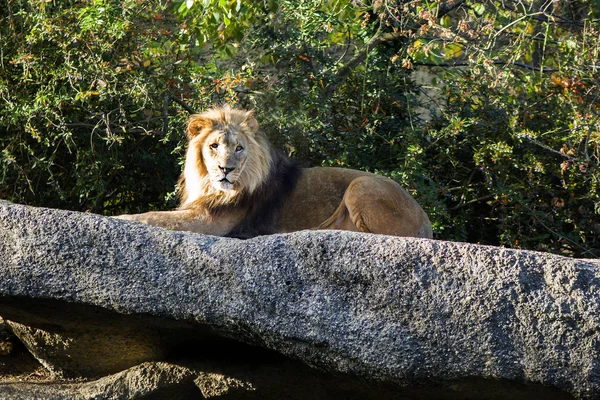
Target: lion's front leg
(179, 220)
(184, 220)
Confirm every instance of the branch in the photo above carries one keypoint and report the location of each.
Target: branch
(448, 7)
(543, 146)
(581, 247)
(166, 113)
(547, 16)
(468, 203)
(497, 62)
(381, 38)
(183, 105)
(360, 56)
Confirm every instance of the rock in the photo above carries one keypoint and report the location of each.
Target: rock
(73, 340)
(251, 380)
(15, 361)
(143, 381)
(6, 338)
(420, 315)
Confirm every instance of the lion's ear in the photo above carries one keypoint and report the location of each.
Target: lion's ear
(251, 122)
(196, 124)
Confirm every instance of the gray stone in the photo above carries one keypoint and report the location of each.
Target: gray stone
(148, 380)
(406, 312)
(256, 380)
(6, 338)
(73, 340)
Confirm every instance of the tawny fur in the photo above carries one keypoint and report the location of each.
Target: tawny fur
(195, 189)
(235, 184)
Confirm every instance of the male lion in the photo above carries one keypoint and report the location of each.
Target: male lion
(235, 184)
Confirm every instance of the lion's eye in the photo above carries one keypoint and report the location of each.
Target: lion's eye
(214, 145)
(239, 148)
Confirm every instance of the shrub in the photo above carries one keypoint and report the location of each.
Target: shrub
(499, 141)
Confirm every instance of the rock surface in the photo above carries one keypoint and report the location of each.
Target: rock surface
(91, 296)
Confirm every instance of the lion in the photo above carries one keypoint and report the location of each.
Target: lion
(235, 184)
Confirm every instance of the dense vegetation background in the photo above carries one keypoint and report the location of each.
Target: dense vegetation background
(487, 111)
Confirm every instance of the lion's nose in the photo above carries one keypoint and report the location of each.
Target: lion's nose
(226, 170)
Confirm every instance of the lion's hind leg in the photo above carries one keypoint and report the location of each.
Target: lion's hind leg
(350, 215)
(341, 220)
(378, 205)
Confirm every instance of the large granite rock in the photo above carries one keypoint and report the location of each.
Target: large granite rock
(91, 296)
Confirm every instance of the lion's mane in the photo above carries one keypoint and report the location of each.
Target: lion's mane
(265, 183)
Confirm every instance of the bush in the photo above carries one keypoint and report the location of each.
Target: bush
(516, 153)
(83, 123)
(500, 147)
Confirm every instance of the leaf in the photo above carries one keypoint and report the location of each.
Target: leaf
(571, 44)
(452, 50)
(183, 9)
(478, 8)
(445, 21)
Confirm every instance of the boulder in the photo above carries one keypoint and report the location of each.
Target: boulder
(142, 381)
(91, 296)
(6, 338)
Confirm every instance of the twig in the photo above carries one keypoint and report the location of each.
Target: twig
(585, 249)
(465, 204)
(550, 149)
(516, 21)
(183, 105)
(497, 62)
(166, 114)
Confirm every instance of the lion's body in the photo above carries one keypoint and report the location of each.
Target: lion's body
(235, 184)
(339, 198)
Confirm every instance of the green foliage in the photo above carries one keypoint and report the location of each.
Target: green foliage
(517, 151)
(523, 162)
(83, 125)
(486, 111)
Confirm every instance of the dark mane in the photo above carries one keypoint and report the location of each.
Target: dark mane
(265, 203)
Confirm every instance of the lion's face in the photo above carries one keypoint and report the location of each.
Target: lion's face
(224, 153)
(227, 156)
